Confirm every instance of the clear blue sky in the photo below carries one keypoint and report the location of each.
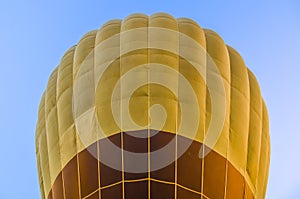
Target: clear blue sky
(35, 34)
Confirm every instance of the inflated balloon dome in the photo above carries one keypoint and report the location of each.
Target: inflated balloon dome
(152, 107)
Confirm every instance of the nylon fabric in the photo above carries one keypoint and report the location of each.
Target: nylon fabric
(82, 94)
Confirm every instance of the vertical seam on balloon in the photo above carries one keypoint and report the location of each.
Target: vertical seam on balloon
(76, 133)
(98, 160)
(204, 125)
(229, 122)
(78, 168)
(177, 104)
(58, 133)
(266, 121)
(48, 192)
(245, 186)
(205, 115)
(249, 120)
(269, 154)
(259, 189)
(148, 107)
(260, 142)
(229, 126)
(226, 179)
(40, 137)
(229, 113)
(121, 115)
(267, 165)
(250, 107)
(97, 135)
(264, 131)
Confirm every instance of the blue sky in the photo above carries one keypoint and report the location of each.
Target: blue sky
(35, 34)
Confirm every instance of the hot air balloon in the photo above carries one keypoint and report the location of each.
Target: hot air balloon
(152, 107)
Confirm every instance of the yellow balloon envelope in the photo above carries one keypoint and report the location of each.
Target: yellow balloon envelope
(152, 107)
